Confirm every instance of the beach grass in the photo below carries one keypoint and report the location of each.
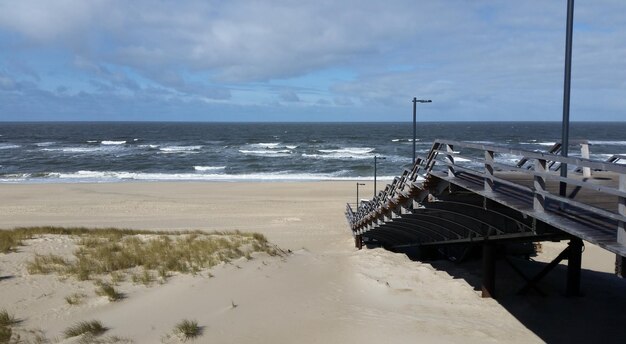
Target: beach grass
(6, 322)
(187, 329)
(6, 319)
(5, 334)
(75, 299)
(93, 328)
(118, 253)
(106, 289)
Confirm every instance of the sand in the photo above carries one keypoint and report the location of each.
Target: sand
(325, 291)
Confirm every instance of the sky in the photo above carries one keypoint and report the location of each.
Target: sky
(338, 60)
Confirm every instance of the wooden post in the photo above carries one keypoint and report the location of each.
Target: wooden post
(574, 261)
(450, 158)
(489, 271)
(539, 186)
(584, 152)
(620, 261)
(489, 171)
(358, 241)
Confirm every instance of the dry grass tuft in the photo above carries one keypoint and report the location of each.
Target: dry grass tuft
(5, 334)
(105, 289)
(6, 326)
(93, 328)
(6, 319)
(187, 329)
(75, 299)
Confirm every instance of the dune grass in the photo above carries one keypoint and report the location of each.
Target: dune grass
(93, 328)
(6, 319)
(105, 289)
(187, 329)
(75, 299)
(6, 322)
(119, 253)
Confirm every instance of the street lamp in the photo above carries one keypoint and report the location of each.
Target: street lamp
(415, 101)
(566, 93)
(375, 159)
(357, 194)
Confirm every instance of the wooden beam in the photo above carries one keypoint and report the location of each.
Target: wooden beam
(489, 186)
(539, 184)
(574, 261)
(545, 271)
(489, 271)
(523, 276)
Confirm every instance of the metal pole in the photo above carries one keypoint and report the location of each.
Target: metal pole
(357, 195)
(415, 101)
(414, 126)
(375, 157)
(566, 93)
(375, 170)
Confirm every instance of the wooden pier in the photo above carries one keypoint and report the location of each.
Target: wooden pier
(465, 194)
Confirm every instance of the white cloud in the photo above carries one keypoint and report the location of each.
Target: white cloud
(482, 55)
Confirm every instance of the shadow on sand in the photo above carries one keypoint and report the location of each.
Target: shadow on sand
(598, 316)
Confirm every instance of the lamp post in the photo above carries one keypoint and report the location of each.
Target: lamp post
(415, 101)
(357, 194)
(566, 93)
(375, 160)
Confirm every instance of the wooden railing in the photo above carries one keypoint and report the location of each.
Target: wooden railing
(451, 159)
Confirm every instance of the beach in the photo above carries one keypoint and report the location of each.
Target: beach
(322, 290)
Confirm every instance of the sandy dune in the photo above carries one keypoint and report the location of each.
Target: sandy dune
(324, 292)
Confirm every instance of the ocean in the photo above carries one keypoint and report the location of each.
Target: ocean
(122, 151)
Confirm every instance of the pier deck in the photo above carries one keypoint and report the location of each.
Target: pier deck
(465, 193)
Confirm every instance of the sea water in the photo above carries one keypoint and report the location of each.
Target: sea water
(109, 152)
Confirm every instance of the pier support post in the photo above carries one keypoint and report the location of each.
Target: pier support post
(574, 261)
(450, 160)
(489, 157)
(358, 242)
(489, 271)
(584, 152)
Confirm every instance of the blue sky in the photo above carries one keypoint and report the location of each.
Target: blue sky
(308, 60)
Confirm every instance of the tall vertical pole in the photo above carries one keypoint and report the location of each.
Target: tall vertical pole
(566, 93)
(375, 157)
(414, 126)
(357, 196)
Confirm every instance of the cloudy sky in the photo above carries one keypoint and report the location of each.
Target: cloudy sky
(338, 60)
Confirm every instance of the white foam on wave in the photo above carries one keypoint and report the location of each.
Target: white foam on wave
(111, 143)
(44, 144)
(8, 146)
(180, 149)
(291, 147)
(113, 176)
(92, 141)
(404, 140)
(483, 142)
(608, 143)
(265, 145)
(338, 156)
(208, 168)
(348, 150)
(74, 149)
(546, 143)
(268, 153)
(149, 146)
